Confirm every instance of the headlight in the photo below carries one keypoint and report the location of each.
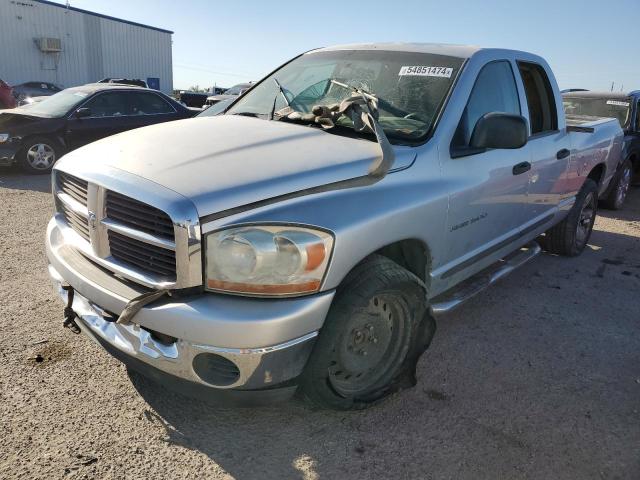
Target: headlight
(4, 137)
(267, 260)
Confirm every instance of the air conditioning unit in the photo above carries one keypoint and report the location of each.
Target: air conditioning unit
(49, 45)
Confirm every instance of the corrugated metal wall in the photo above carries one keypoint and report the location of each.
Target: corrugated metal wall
(92, 47)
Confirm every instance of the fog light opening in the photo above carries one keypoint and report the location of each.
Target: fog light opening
(215, 369)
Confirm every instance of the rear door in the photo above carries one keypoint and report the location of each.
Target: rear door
(485, 213)
(548, 145)
(148, 108)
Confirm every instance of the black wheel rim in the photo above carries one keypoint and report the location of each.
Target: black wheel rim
(373, 348)
(585, 220)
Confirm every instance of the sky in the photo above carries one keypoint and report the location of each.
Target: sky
(588, 43)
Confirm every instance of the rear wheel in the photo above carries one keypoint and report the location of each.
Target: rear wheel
(39, 155)
(619, 187)
(377, 328)
(570, 236)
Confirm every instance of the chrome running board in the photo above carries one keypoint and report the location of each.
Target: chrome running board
(455, 297)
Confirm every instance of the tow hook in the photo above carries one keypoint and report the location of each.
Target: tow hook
(69, 315)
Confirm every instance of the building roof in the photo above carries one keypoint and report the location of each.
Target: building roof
(462, 51)
(87, 12)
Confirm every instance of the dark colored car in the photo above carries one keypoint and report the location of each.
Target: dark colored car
(6, 95)
(193, 99)
(34, 89)
(36, 135)
(626, 108)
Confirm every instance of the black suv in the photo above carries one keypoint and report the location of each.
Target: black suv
(36, 135)
(625, 107)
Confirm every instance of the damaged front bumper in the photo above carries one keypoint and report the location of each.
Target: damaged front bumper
(8, 154)
(206, 345)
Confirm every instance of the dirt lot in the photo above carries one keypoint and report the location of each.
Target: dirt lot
(538, 377)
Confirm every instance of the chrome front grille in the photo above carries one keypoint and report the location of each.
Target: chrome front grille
(143, 255)
(138, 215)
(76, 190)
(76, 221)
(128, 236)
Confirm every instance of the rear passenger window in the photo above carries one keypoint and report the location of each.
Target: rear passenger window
(148, 104)
(494, 91)
(543, 116)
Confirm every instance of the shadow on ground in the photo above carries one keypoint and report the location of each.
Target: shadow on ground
(15, 179)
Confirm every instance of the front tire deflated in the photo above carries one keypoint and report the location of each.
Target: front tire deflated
(376, 330)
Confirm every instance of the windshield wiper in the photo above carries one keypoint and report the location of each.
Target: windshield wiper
(284, 95)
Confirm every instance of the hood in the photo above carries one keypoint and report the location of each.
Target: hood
(229, 161)
(16, 120)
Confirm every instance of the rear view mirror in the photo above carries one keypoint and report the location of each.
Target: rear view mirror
(499, 130)
(83, 112)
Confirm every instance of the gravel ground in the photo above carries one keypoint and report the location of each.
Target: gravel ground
(538, 377)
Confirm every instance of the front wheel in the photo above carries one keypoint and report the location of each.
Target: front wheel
(39, 155)
(376, 330)
(570, 236)
(619, 187)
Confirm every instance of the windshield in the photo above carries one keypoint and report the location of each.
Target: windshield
(411, 87)
(599, 107)
(57, 105)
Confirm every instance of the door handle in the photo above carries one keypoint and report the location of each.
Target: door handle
(564, 153)
(521, 168)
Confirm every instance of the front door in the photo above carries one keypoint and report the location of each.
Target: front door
(109, 113)
(489, 188)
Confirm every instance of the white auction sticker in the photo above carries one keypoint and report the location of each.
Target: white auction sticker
(424, 71)
(615, 102)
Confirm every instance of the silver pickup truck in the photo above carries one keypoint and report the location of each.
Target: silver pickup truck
(306, 239)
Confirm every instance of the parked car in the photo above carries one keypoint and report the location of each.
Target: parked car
(6, 95)
(36, 135)
(217, 109)
(308, 237)
(135, 82)
(34, 89)
(625, 108)
(232, 92)
(193, 99)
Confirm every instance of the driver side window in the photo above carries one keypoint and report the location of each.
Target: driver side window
(109, 104)
(494, 91)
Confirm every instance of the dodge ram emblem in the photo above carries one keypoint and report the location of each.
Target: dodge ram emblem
(92, 220)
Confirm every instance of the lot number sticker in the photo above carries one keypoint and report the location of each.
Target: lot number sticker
(619, 104)
(424, 71)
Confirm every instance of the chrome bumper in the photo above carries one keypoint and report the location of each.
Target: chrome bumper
(268, 341)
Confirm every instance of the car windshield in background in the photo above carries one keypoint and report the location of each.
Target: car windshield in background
(619, 108)
(216, 108)
(59, 104)
(237, 89)
(411, 87)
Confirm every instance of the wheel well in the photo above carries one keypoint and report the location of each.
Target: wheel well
(411, 254)
(597, 173)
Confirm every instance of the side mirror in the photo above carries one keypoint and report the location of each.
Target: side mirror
(499, 130)
(83, 112)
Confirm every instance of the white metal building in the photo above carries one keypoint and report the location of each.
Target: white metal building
(50, 42)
